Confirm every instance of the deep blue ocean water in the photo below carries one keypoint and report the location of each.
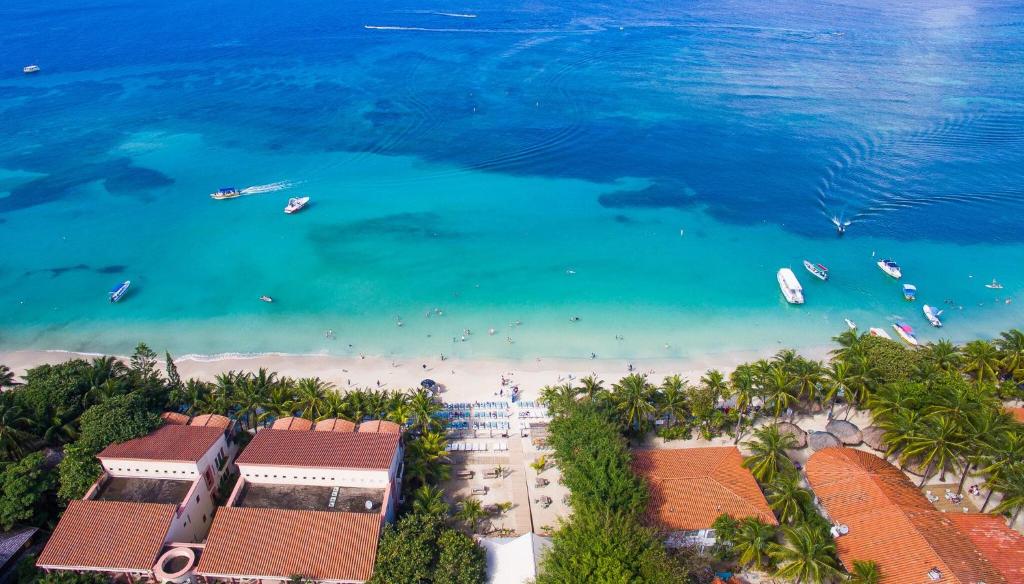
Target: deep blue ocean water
(646, 166)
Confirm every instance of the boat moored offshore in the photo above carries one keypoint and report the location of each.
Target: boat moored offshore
(906, 332)
(890, 267)
(296, 204)
(817, 270)
(932, 314)
(909, 292)
(30, 69)
(790, 286)
(117, 292)
(226, 193)
(878, 332)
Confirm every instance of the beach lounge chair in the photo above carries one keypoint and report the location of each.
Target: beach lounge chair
(479, 490)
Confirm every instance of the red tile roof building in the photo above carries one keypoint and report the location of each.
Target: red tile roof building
(278, 543)
(382, 426)
(335, 425)
(691, 487)
(292, 423)
(892, 523)
(338, 450)
(175, 418)
(167, 443)
(111, 536)
(213, 420)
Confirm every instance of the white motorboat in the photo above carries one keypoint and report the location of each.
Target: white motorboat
(790, 286)
(995, 285)
(817, 270)
(877, 332)
(851, 324)
(890, 267)
(117, 292)
(266, 298)
(296, 204)
(225, 193)
(30, 69)
(905, 332)
(932, 314)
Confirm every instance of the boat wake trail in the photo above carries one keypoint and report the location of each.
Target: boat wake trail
(268, 188)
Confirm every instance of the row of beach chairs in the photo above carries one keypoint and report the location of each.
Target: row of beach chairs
(477, 447)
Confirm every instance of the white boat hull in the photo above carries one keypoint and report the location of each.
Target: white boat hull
(877, 332)
(907, 337)
(296, 204)
(932, 315)
(792, 291)
(889, 270)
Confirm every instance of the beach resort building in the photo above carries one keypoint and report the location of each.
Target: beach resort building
(691, 487)
(156, 493)
(890, 521)
(309, 501)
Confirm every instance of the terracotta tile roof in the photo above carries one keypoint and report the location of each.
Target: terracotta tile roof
(382, 426)
(168, 442)
(335, 425)
(691, 487)
(212, 420)
(1002, 546)
(292, 423)
(174, 418)
(892, 523)
(1017, 413)
(112, 535)
(278, 543)
(320, 449)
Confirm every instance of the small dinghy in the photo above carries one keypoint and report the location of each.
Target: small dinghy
(932, 314)
(266, 298)
(118, 292)
(851, 324)
(819, 271)
(909, 292)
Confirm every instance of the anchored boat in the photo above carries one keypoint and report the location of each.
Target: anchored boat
(790, 286)
(30, 69)
(817, 270)
(117, 292)
(909, 292)
(932, 314)
(906, 332)
(877, 332)
(851, 324)
(890, 267)
(296, 204)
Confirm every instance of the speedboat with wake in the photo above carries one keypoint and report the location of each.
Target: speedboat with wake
(117, 292)
(296, 204)
(932, 314)
(906, 332)
(891, 268)
(909, 292)
(817, 270)
(790, 286)
(877, 332)
(225, 193)
(840, 225)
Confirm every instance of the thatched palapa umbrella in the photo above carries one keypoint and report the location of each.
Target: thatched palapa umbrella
(847, 432)
(822, 440)
(795, 431)
(875, 438)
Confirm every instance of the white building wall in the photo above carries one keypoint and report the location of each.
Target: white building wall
(332, 477)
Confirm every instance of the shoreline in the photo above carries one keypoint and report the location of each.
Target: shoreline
(462, 379)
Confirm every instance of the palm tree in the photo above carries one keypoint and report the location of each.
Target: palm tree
(865, 572)
(808, 376)
(426, 459)
(1011, 485)
(471, 512)
(250, 400)
(768, 454)
(1011, 345)
(936, 448)
(743, 387)
(424, 410)
(997, 457)
(779, 390)
(751, 543)
(61, 429)
(14, 435)
(280, 401)
(788, 499)
(634, 399)
(672, 399)
(429, 500)
(984, 432)
(981, 358)
(558, 399)
(193, 395)
(6, 377)
(591, 387)
(310, 393)
(837, 382)
(944, 354)
(808, 556)
(849, 344)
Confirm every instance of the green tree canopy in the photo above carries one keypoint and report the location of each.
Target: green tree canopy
(27, 492)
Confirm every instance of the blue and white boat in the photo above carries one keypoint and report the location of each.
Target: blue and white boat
(909, 292)
(225, 193)
(906, 332)
(117, 292)
(891, 268)
(932, 314)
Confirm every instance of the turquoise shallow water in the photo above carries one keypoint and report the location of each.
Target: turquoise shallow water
(531, 164)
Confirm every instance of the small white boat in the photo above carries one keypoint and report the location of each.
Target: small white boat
(30, 69)
(225, 193)
(877, 332)
(909, 292)
(851, 324)
(891, 268)
(266, 298)
(817, 270)
(932, 314)
(117, 292)
(994, 285)
(790, 286)
(296, 204)
(905, 332)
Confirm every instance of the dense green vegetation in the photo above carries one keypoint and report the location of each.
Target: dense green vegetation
(421, 549)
